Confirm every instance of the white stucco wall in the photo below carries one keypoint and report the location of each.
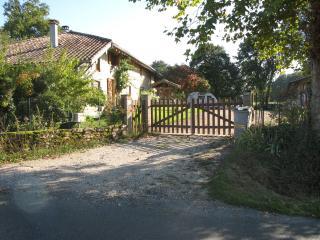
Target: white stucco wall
(139, 78)
(104, 73)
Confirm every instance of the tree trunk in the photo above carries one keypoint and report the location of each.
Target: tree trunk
(315, 56)
(315, 100)
(268, 94)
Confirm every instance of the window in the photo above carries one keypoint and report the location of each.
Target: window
(98, 65)
(113, 59)
(96, 84)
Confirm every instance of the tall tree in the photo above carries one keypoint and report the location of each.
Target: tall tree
(160, 66)
(213, 63)
(257, 73)
(286, 29)
(189, 80)
(6, 79)
(26, 20)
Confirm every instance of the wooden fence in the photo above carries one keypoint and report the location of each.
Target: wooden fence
(203, 117)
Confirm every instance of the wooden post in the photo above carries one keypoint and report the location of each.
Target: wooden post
(127, 106)
(193, 130)
(146, 112)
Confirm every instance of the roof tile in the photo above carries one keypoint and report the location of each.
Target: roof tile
(77, 45)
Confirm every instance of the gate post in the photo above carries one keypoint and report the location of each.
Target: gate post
(146, 112)
(193, 118)
(241, 120)
(126, 103)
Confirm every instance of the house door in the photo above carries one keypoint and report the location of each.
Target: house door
(111, 90)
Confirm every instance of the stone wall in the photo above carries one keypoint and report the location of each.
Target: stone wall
(26, 141)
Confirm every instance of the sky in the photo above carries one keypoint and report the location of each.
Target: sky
(128, 24)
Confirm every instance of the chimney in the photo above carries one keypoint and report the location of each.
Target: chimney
(54, 40)
(65, 28)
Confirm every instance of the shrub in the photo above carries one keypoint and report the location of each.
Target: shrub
(288, 155)
(113, 114)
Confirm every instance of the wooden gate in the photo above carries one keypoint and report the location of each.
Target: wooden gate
(202, 117)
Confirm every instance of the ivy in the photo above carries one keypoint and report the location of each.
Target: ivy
(121, 75)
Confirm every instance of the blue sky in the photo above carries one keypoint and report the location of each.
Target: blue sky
(137, 30)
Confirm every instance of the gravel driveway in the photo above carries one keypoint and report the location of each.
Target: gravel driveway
(151, 188)
(152, 167)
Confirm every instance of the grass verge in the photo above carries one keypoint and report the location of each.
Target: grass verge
(41, 153)
(233, 184)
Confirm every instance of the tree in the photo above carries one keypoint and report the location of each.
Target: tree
(257, 73)
(189, 80)
(6, 79)
(286, 29)
(213, 63)
(56, 87)
(62, 85)
(26, 20)
(160, 66)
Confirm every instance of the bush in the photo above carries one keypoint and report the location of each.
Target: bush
(113, 114)
(284, 158)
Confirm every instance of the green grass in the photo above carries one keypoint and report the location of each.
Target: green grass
(94, 123)
(175, 119)
(48, 152)
(233, 184)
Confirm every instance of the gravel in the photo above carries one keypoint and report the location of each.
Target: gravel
(158, 167)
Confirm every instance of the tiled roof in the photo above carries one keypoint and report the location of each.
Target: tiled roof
(166, 82)
(78, 45)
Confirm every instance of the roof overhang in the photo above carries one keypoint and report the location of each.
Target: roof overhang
(165, 81)
(126, 53)
(298, 80)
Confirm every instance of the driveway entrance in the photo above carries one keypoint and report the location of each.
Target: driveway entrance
(152, 188)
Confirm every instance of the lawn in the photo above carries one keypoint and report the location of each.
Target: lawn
(176, 118)
(94, 123)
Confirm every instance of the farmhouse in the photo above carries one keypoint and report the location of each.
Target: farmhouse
(300, 91)
(100, 55)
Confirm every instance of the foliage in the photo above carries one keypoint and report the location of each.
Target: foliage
(66, 82)
(291, 113)
(113, 114)
(290, 155)
(213, 63)
(53, 89)
(189, 80)
(121, 75)
(288, 30)
(257, 73)
(94, 123)
(286, 40)
(6, 85)
(151, 92)
(235, 183)
(161, 67)
(26, 20)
